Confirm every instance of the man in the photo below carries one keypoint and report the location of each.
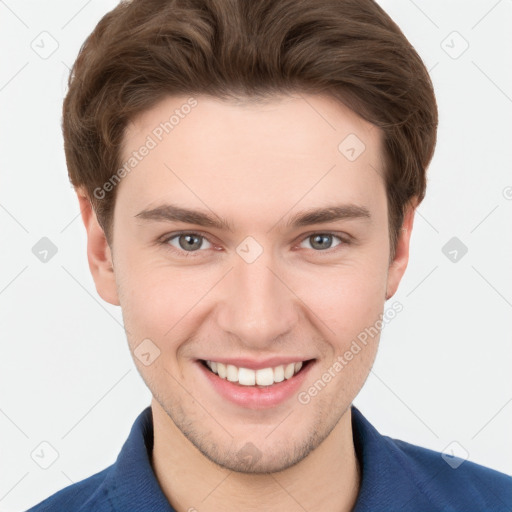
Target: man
(248, 174)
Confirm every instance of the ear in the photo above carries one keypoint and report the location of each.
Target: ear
(399, 264)
(98, 251)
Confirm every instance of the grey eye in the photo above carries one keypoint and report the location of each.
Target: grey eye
(189, 242)
(322, 241)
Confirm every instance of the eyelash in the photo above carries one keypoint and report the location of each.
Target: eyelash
(344, 240)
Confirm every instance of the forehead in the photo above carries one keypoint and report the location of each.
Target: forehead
(286, 149)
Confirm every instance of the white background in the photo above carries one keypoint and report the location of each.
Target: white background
(443, 369)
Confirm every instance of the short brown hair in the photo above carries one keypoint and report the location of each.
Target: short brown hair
(145, 50)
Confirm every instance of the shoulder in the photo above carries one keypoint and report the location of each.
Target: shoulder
(397, 475)
(88, 494)
(458, 483)
(128, 484)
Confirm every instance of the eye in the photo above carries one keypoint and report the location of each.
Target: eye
(188, 242)
(322, 241)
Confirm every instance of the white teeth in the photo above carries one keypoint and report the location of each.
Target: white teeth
(265, 377)
(221, 370)
(279, 373)
(248, 377)
(232, 373)
(289, 370)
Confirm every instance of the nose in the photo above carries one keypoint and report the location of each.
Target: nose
(258, 306)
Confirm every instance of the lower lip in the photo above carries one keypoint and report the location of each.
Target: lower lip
(253, 397)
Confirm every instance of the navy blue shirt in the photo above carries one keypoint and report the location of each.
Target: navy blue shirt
(395, 476)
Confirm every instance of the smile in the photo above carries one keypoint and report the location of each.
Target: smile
(249, 377)
(265, 384)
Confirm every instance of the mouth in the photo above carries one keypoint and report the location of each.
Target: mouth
(260, 378)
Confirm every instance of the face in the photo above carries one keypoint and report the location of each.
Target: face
(253, 236)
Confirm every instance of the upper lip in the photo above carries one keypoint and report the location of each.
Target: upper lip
(253, 364)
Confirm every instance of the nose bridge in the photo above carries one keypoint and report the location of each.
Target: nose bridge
(257, 307)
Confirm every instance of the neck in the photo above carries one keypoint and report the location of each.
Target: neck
(327, 479)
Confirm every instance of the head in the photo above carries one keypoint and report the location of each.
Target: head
(248, 174)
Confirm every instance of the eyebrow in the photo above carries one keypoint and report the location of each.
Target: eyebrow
(170, 213)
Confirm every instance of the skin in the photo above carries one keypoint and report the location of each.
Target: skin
(254, 165)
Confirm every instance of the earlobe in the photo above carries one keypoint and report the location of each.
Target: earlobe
(99, 254)
(399, 264)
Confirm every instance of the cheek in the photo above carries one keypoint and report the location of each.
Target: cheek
(350, 305)
(157, 299)
(347, 298)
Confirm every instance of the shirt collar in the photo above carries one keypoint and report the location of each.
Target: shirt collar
(388, 481)
(133, 484)
(385, 477)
